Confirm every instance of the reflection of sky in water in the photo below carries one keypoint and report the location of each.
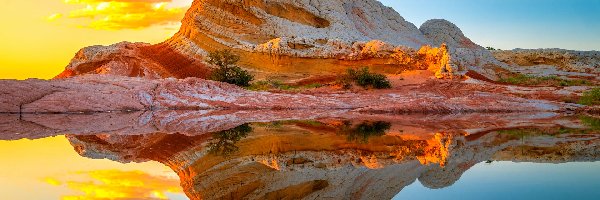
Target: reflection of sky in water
(50, 169)
(116, 184)
(508, 180)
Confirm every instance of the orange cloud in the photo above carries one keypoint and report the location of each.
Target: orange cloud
(119, 185)
(125, 14)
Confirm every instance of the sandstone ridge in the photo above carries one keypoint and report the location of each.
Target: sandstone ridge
(319, 36)
(103, 93)
(555, 62)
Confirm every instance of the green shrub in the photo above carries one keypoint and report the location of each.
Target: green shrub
(365, 79)
(227, 70)
(529, 80)
(592, 122)
(573, 82)
(522, 79)
(591, 97)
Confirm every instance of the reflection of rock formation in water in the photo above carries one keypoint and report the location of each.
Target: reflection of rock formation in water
(313, 159)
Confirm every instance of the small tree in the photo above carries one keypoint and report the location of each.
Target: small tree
(227, 70)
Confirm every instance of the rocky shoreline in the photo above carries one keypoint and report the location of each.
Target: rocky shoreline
(102, 93)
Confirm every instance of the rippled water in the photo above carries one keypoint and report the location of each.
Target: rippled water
(249, 155)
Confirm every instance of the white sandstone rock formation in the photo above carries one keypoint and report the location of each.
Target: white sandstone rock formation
(313, 36)
(134, 60)
(329, 27)
(464, 54)
(117, 59)
(552, 62)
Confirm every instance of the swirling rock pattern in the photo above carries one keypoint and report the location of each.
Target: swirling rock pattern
(317, 36)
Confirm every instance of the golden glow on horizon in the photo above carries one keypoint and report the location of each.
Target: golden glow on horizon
(39, 37)
(123, 14)
(54, 170)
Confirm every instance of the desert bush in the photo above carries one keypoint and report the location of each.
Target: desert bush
(591, 97)
(592, 122)
(364, 78)
(227, 70)
(529, 80)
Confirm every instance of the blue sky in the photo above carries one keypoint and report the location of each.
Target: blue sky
(508, 24)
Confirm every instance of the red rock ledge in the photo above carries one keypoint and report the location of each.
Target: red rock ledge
(103, 93)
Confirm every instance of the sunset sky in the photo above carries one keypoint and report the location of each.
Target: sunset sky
(39, 37)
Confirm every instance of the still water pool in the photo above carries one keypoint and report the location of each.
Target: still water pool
(225, 156)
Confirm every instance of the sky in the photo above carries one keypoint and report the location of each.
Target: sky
(39, 37)
(509, 24)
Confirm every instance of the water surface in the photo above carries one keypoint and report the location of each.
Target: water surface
(245, 155)
(49, 168)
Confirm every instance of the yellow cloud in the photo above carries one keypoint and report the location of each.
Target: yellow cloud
(116, 184)
(125, 14)
(52, 181)
(54, 17)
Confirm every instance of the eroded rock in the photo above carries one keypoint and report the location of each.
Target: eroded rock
(552, 62)
(319, 36)
(101, 93)
(134, 60)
